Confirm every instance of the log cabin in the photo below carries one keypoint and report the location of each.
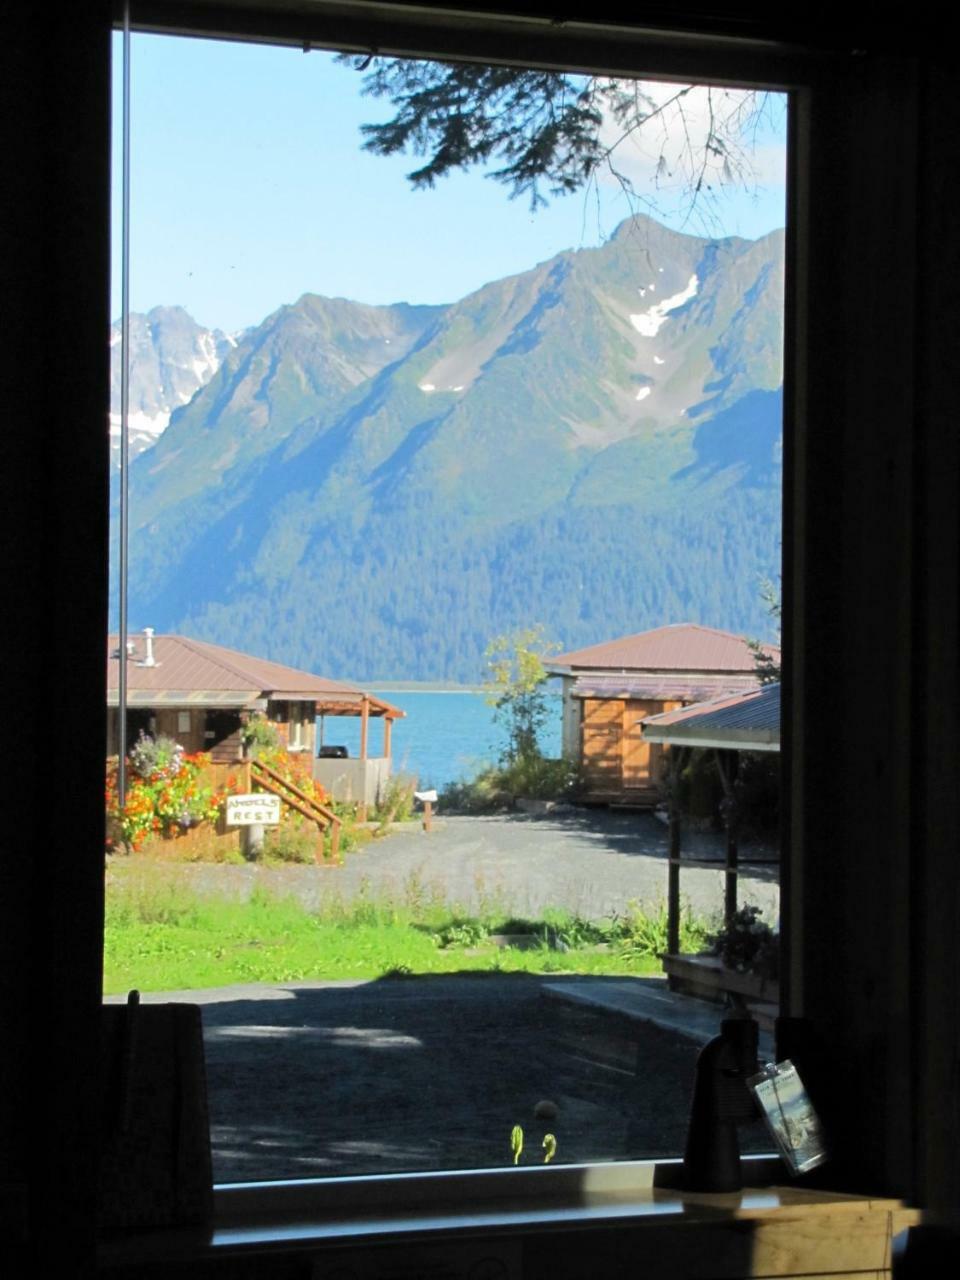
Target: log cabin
(609, 689)
(200, 693)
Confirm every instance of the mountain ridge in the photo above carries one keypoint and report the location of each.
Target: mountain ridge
(348, 453)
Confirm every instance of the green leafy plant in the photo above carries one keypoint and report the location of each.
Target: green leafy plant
(463, 933)
(747, 944)
(395, 803)
(258, 735)
(641, 933)
(290, 843)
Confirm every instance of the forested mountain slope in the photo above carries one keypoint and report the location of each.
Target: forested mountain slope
(375, 491)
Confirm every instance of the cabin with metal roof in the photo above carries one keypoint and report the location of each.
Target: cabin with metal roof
(611, 689)
(200, 694)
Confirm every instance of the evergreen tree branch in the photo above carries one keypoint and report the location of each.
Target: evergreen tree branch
(547, 131)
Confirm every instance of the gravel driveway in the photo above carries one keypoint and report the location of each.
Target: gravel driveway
(590, 861)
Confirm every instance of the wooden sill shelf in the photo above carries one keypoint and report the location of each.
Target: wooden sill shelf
(766, 1231)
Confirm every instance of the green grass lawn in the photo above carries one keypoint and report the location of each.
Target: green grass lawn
(161, 936)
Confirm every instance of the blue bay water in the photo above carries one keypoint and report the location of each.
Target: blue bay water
(444, 736)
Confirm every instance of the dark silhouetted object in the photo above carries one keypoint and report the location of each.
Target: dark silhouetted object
(155, 1156)
(721, 1102)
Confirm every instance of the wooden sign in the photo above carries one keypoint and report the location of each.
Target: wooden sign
(253, 811)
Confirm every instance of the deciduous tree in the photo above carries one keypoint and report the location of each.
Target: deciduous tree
(516, 688)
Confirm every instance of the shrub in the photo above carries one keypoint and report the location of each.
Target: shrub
(498, 787)
(539, 778)
(483, 793)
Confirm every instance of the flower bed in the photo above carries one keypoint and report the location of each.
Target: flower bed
(166, 794)
(174, 804)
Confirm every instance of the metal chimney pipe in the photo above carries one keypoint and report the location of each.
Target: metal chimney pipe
(148, 658)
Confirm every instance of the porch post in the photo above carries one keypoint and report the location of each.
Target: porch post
(387, 732)
(364, 726)
(678, 759)
(728, 763)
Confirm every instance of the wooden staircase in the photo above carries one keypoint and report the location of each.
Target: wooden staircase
(268, 779)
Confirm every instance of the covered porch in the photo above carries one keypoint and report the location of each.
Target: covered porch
(361, 778)
(726, 727)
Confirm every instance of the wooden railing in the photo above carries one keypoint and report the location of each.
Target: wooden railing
(263, 775)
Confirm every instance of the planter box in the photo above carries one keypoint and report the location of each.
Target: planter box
(204, 843)
(707, 977)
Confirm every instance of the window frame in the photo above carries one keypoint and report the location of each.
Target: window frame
(644, 52)
(871, 605)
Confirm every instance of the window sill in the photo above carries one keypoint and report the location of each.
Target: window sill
(788, 1229)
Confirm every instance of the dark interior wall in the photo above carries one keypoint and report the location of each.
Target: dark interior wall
(853, 676)
(871, 575)
(872, 616)
(935, 636)
(55, 115)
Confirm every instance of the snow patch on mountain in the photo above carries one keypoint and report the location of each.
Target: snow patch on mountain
(140, 424)
(650, 322)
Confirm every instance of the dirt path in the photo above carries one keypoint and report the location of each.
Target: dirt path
(590, 861)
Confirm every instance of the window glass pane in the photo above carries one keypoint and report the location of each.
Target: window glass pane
(494, 486)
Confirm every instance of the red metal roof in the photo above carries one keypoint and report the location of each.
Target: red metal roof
(681, 646)
(195, 668)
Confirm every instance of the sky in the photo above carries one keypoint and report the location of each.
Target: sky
(249, 188)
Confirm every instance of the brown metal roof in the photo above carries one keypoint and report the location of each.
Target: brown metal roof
(663, 687)
(681, 646)
(195, 672)
(744, 722)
